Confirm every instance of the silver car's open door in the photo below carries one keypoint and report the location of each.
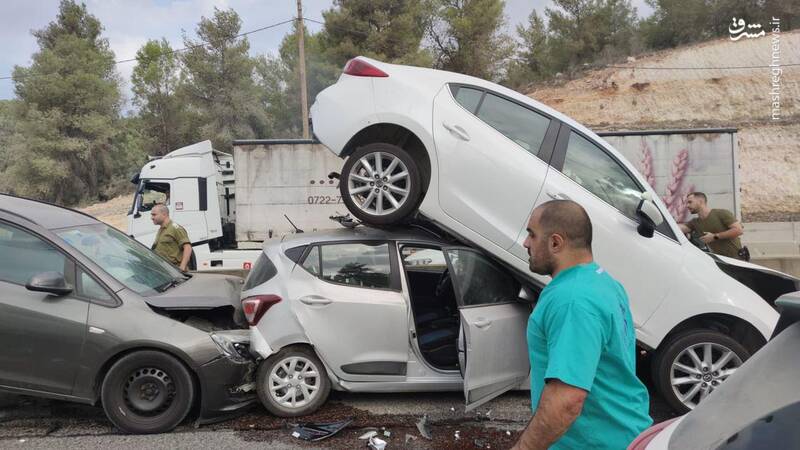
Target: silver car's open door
(493, 320)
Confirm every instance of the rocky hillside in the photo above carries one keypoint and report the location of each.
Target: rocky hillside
(647, 93)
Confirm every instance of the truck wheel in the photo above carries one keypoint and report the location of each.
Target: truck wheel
(380, 184)
(147, 392)
(693, 364)
(293, 382)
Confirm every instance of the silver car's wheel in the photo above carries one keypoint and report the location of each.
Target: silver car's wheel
(380, 184)
(692, 364)
(293, 382)
(700, 369)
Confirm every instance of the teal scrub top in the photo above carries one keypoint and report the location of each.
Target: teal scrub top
(581, 333)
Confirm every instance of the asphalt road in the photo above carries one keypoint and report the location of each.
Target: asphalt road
(35, 423)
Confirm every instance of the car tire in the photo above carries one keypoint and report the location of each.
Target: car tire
(147, 392)
(275, 371)
(679, 385)
(369, 200)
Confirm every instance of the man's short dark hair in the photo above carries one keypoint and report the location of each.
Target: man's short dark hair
(698, 194)
(569, 219)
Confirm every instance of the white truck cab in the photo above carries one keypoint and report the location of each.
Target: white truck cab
(196, 183)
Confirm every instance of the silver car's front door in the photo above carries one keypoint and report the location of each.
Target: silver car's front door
(352, 310)
(493, 320)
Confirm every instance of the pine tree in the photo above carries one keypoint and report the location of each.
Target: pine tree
(69, 100)
(467, 37)
(220, 83)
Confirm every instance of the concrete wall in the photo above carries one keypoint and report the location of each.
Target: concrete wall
(775, 245)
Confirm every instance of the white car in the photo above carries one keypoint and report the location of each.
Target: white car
(475, 158)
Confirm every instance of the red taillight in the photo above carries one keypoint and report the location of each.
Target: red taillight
(254, 307)
(359, 68)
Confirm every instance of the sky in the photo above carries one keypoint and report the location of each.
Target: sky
(129, 24)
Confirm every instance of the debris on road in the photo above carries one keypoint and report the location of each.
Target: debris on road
(376, 443)
(368, 435)
(318, 431)
(458, 435)
(422, 426)
(410, 437)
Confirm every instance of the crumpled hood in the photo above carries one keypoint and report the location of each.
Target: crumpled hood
(202, 291)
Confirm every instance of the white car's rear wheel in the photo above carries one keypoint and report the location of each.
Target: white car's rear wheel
(293, 382)
(380, 184)
(693, 364)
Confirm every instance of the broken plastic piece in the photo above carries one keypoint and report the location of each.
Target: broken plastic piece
(318, 431)
(458, 435)
(422, 426)
(410, 437)
(368, 435)
(376, 443)
(387, 433)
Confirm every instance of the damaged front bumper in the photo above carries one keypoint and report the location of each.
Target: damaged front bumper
(228, 381)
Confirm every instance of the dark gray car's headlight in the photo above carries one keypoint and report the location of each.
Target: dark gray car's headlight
(232, 347)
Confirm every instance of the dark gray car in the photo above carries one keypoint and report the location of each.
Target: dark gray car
(89, 315)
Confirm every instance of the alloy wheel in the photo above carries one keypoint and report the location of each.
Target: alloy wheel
(701, 368)
(379, 183)
(294, 382)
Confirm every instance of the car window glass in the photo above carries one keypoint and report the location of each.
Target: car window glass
(263, 271)
(311, 263)
(467, 97)
(478, 281)
(129, 262)
(90, 288)
(421, 258)
(23, 255)
(362, 265)
(516, 122)
(591, 167)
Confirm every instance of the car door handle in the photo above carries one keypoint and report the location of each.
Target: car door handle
(315, 300)
(482, 323)
(558, 196)
(457, 131)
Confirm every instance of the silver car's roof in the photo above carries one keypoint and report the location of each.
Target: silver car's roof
(44, 214)
(359, 233)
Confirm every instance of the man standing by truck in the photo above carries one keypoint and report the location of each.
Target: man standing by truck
(718, 228)
(172, 243)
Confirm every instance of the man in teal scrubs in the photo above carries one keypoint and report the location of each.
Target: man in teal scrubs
(581, 342)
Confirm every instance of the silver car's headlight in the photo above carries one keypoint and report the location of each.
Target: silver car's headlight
(232, 347)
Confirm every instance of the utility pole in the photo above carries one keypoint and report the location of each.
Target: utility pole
(302, 48)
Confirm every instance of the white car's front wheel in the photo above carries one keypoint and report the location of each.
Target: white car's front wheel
(693, 364)
(380, 184)
(293, 382)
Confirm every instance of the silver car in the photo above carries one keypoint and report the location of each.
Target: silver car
(370, 310)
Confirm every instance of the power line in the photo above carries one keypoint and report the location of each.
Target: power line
(191, 47)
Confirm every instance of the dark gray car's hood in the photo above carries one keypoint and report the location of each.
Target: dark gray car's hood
(202, 291)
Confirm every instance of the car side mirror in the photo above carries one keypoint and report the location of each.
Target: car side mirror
(50, 282)
(649, 214)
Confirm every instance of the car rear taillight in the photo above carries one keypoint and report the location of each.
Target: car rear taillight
(254, 307)
(359, 68)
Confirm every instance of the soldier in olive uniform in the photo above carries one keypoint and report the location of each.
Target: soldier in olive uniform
(172, 243)
(718, 228)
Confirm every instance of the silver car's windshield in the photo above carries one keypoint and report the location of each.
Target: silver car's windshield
(132, 264)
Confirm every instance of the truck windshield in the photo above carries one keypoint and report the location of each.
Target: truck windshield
(126, 260)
